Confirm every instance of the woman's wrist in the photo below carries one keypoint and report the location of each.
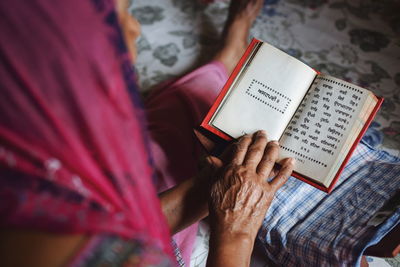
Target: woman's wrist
(241, 239)
(230, 249)
(222, 231)
(184, 204)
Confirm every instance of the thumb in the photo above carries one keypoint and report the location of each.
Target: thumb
(214, 162)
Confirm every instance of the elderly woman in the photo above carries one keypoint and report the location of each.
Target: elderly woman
(78, 166)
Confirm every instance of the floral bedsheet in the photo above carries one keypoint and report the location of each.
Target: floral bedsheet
(358, 41)
(355, 40)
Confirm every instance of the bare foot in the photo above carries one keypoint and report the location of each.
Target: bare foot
(242, 14)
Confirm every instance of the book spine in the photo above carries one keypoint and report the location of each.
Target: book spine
(310, 182)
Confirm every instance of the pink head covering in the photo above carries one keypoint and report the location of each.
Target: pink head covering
(73, 152)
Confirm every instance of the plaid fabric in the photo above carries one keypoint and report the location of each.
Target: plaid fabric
(178, 254)
(307, 227)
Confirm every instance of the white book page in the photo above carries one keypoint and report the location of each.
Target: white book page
(362, 118)
(266, 96)
(324, 127)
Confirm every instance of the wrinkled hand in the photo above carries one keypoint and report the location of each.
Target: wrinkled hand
(242, 195)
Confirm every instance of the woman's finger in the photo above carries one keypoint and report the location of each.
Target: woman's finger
(283, 175)
(240, 149)
(214, 162)
(268, 160)
(255, 151)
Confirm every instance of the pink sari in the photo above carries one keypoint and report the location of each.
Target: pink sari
(74, 156)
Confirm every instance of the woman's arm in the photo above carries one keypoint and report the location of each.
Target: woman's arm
(241, 197)
(187, 202)
(183, 205)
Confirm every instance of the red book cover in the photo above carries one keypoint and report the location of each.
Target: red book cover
(219, 136)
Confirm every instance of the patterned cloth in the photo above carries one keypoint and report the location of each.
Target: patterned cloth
(111, 250)
(74, 155)
(306, 227)
(178, 255)
(354, 40)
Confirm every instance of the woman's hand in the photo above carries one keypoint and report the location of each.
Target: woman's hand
(241, 197)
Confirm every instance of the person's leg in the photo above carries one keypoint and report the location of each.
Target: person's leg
(176, 108)
(172, 113)
(242, 14)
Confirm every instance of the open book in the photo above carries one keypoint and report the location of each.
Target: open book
(317, 119)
